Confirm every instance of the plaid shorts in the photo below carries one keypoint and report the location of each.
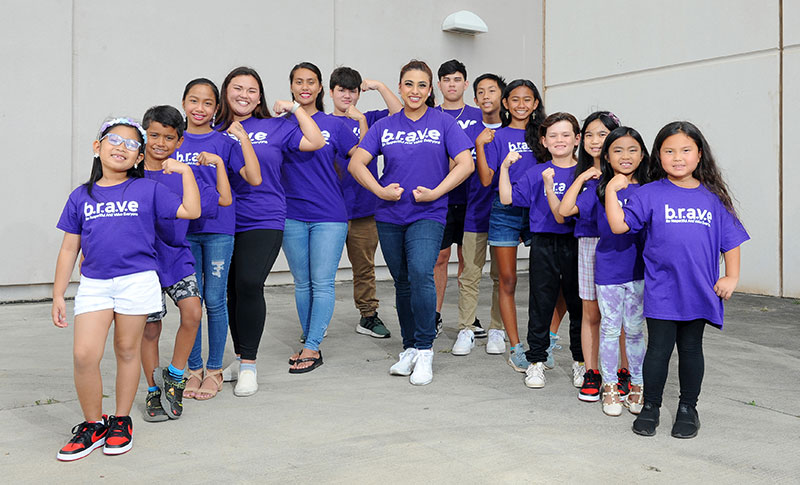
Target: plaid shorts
(586, 260)
(185, 288)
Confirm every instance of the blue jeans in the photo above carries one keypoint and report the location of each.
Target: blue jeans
(410, 252)
(313, 251)
(212, 256)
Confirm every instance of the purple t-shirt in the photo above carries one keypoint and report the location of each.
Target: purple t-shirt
(311, 179)
(117, 225)
(685, 230)
(479, 198)
(224, 222)
(360, 202)
(264, 206)
(174, 255)
(619, 256)
(585, 223)
(529, 192)
(509, 139)
(416, 153)
(466, 118)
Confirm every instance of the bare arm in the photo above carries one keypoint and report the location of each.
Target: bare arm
(504, 183)
(484, 172)
(552, 198)
(312, 136)
(223, 184)
(568, 205)
(388, 96)
(67, 255)
(251, 172)
(727, 284)
(190, 207)
(358, 169)
(614, 212)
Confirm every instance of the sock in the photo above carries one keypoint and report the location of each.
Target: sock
(239, 358)
(553, 334)
(175, 373)
(152, 388)
(245, 367)
(95, 422)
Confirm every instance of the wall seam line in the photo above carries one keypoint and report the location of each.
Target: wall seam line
(780, 151)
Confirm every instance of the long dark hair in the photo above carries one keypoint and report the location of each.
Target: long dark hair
(416, 65)
(224, 115)
(585, 160)
(214, 90)
(706, 172)
(318, 103)
(642, 172)
(536, 119)
(550, 121)
(137, 171)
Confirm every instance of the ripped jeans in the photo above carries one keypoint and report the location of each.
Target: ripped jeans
(212, 255)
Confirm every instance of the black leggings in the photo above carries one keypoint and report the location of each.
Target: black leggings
(553, 265)
(663, 335)
(254, 253)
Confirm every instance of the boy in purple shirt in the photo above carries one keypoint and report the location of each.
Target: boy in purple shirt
(452, 84)
(346, 87)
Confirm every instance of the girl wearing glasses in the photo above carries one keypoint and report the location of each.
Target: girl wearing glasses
(111, 218)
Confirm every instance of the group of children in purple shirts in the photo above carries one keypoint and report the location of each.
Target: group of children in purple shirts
(197, 207)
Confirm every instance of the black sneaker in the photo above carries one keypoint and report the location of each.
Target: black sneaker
(590, 390)
(687, 422)
(87, 438)
(153, 411)
(478, 330)
(439, 324)
(623, 383)
(646, 422)
(120, 435)
(171, 392)
(373, 326)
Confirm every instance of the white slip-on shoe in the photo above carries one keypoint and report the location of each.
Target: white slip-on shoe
(247, 385)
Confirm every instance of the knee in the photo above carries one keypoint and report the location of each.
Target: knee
(190, 317)
(508, 283)
(152, 332)
(127, 351)
(85, 358)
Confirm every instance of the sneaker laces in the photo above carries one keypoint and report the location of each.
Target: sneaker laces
(116, 426)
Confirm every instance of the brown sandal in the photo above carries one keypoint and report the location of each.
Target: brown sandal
(190, 391)
(216, 377)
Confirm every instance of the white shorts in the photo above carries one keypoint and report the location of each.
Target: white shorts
(132, 294)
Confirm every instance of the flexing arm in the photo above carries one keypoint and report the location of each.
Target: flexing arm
(552, 198)
(568, 205)
(388, 96)
(727, 284)
(358, 169)
(504, 183)
(462, 167)
(312, 136)
(223, 184)
(251, 172)
(484, 172)
(614, 212)
(67, 255)
(190, 207)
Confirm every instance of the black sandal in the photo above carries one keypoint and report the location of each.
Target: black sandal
(316, 362)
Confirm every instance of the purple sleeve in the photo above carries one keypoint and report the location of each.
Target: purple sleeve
(70, 221)
(165, 202)
(636, 214)
(455, 140)
(236, 161)
(585, 202)
(375, 115)
(344, 140)
(522, 190)
(209, 200)
(291, 137)
(732, 231)
(491, 152)
(371, 141)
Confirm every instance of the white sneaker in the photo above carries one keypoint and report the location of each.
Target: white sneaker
(496, 343)
(578, 370)
(247, 385)
(464, 343)
(423, 368)
(534, 376)
(231, 373)
(405, 363)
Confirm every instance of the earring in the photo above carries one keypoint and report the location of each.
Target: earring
(96, 155)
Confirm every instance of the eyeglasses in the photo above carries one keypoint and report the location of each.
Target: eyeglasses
(117, 140)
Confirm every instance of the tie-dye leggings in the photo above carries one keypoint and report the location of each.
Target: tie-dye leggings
(621, 305)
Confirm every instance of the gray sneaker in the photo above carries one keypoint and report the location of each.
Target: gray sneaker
(373, 326)
(517, 359)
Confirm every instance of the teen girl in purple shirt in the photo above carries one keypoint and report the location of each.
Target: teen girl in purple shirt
(260, 204)
(111, 220)
(417, 145)
(316, 216)
(688, 220)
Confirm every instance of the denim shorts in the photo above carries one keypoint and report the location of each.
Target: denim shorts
(508, 225)
(185, 288)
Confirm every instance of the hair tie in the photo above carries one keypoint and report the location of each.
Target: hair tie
(126, 122)
(614, 117)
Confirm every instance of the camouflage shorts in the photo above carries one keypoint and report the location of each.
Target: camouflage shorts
(185, 288)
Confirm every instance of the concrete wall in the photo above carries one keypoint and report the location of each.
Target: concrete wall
(791, 148)
(715, 63)
(74, 63)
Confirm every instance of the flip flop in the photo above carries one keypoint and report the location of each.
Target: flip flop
(293, 361)
(190, 391)
(316, 362)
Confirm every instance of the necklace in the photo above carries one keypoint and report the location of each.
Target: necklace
(459, 113)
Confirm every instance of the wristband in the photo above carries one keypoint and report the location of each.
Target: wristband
(295, 107)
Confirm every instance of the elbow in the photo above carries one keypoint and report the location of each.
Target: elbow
(318, 143)
(506, 199)
(254, 181)
(225, 201)
(194, 214)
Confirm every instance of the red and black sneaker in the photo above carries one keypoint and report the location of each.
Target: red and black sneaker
(623, 383)
(120, 435)
(87, 437)
(590, 390)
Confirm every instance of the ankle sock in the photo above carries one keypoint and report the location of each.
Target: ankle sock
(245, 367)
(175, 373)
(553, 335)
(152, 388)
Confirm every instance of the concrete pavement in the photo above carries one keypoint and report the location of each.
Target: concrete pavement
(349, 421)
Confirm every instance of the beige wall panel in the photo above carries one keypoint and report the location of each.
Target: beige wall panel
(791, 173)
